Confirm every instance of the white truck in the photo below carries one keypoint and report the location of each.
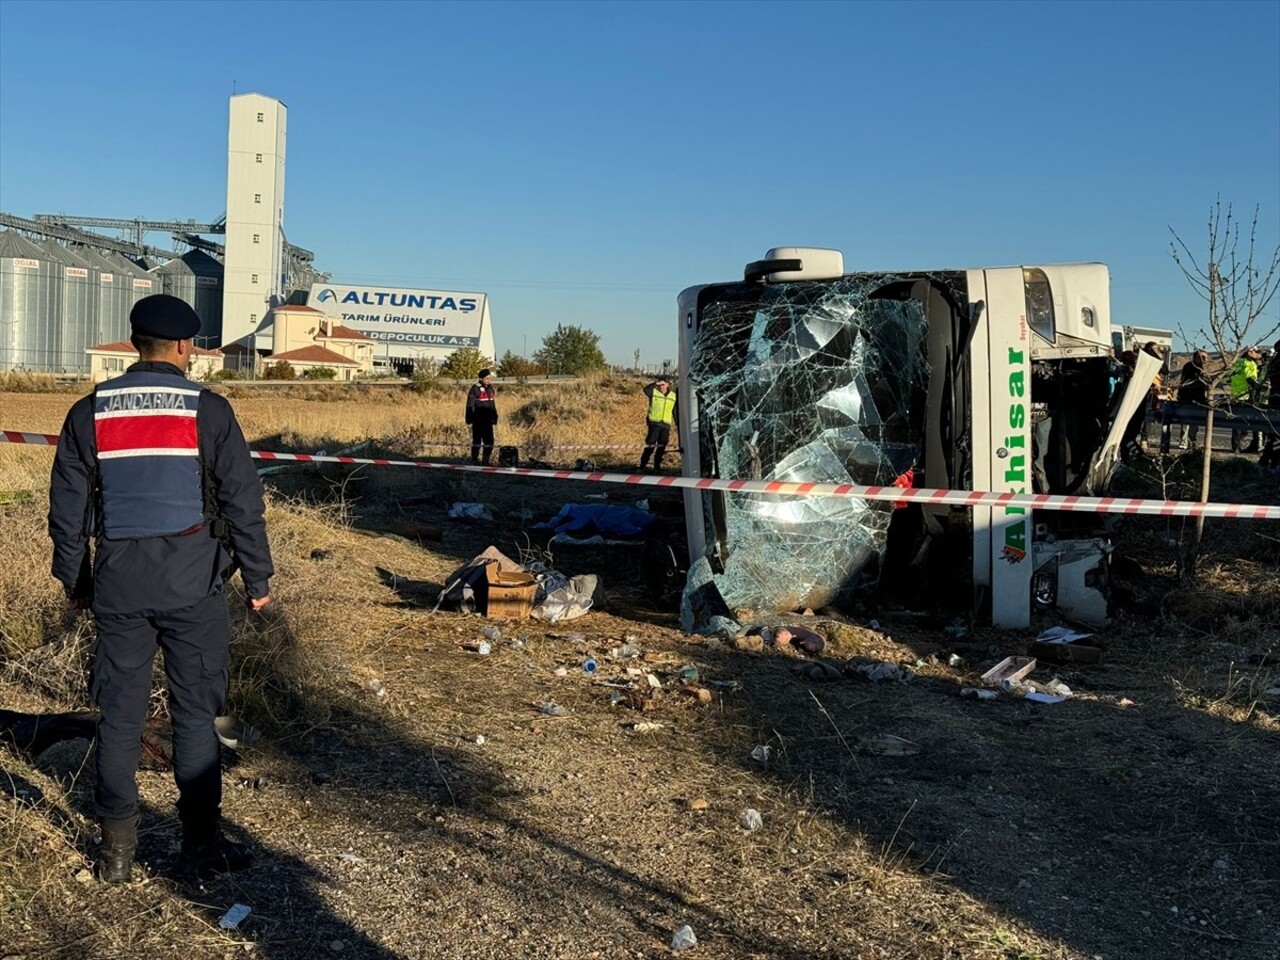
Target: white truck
(973, 379)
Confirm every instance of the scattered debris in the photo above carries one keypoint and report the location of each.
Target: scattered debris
(683, 939)
(351, 858)
(553, 709)
(1063, 645)
(606, 520)
(1008, 670)
(321, 555)
(480, 741)
(958, 629)
(702, 608)
(468, 588)
(235, 734)
(1055, 691)
(627, 651)
(491, 633)
(589, 666)
(819, 671)
(751, 819)
(644, 726)
(762, 754)
(729, 686)
(699, 803)
(232, 919)
(878, 672)
(973, 693)
(955, 660)
(471, 511)
(376, 687)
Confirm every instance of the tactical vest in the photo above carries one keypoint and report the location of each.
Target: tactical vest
(149, 469)
(662, 406)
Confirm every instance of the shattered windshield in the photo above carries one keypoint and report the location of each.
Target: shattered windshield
(805, 382)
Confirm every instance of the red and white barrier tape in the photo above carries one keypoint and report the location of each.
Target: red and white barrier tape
(959, 498)
(466, 444)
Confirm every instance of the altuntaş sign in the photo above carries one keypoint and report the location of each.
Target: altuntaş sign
(395, 315)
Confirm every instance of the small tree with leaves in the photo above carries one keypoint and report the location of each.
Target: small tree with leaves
(1238, 283)
(464, 363)
(279, 370)
(570, 350)
(513, 365)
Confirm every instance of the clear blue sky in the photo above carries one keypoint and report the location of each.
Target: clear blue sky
(583, 162)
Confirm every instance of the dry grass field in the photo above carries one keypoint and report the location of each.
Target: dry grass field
(449, 817)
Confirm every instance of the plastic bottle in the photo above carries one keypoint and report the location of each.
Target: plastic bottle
(590, 666)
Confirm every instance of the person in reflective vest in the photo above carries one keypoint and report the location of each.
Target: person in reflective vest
(152, 491)
(482, 415)
(660, 419)
(1244, 381)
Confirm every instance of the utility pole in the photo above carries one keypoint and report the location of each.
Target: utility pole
(637, 367)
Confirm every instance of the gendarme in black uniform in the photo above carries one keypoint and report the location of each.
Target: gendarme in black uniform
(150, 468)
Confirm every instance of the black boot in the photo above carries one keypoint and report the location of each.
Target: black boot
(205, 851)
(115, 855)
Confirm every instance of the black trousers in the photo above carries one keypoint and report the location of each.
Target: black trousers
(1271, 447)
(481, 437)
(655, 442)
(196, 642)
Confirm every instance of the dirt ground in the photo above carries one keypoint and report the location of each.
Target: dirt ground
(450, 817)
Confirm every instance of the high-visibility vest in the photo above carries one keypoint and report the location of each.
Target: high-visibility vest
(662, 406)
(148, 450)
(1244, 371)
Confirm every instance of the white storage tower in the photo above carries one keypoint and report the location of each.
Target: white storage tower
(254, 275)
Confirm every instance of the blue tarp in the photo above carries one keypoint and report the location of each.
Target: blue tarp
(586, 519)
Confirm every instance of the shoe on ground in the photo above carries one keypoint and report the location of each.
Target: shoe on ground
(114, 863)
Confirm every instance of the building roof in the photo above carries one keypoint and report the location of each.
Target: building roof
(124, 346)
(15, 245)
(295, 308)
(339, 332)
(315, 354)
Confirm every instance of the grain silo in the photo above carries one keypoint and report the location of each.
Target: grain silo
(139, 282)
(30, 303)
(196, 278)
(115, 297)
(78, 319)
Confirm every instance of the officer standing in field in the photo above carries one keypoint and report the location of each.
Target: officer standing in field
(482, 415)
(154, 470)
(660, 419)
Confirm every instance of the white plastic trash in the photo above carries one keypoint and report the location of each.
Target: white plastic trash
(234, 916)
(683, 938)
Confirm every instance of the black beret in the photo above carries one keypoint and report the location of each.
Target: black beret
(164, 317)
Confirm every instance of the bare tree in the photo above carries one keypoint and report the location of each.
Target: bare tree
(1238, 284)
